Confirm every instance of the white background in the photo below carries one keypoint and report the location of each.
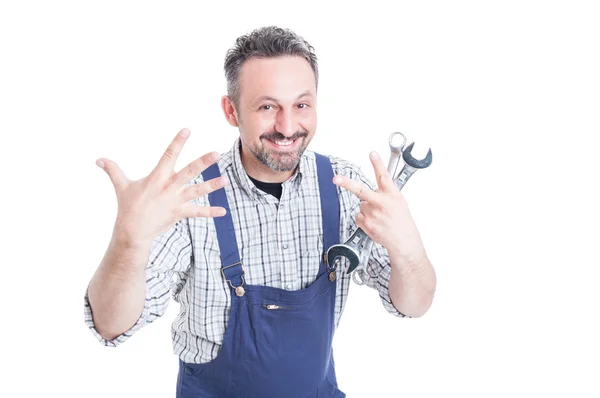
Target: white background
(505, 93)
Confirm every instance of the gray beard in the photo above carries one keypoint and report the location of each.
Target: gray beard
(279, 161)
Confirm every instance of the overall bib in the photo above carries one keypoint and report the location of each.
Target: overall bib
(278, 343)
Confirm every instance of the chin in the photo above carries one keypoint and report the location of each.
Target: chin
(287, 162)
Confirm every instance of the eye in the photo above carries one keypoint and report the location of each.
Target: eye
(302, 106)
(266, 107)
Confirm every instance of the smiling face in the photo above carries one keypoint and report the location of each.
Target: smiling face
(276, 116)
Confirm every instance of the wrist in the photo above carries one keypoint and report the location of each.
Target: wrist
(127, 237)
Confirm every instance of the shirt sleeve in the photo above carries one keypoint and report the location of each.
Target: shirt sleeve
(379, 266)
(168, 263)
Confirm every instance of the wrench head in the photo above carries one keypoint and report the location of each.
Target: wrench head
(395, 145)
(341, 250)
(416, 163)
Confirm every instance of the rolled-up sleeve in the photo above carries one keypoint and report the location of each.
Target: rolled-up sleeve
(168, 263)
(380, 265)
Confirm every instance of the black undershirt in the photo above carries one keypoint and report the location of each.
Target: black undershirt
(273, 188)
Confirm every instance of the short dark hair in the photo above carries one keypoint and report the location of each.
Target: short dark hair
(264, 42)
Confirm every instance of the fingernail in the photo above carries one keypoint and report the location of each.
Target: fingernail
(185, 133)
(100, 163)
(337, 179)
(224, 180)
(374, 155)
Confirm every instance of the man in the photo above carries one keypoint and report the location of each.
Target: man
(239, 240)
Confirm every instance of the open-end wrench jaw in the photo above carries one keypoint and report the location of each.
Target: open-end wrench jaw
(416, 163)
(341, 250)
(351, 249)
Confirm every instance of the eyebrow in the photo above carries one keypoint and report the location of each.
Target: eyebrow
(269, 98)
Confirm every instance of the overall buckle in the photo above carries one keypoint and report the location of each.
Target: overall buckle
(239, 290)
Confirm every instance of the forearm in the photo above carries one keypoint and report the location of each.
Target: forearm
(412, 284)
(117, 290)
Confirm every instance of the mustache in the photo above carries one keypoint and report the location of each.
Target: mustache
(277, 136)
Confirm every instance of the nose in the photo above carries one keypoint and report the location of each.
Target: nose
(285, 123)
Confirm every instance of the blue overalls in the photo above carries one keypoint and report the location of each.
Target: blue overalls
(278, 343)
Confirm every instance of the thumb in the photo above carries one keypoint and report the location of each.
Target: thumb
(116, 175)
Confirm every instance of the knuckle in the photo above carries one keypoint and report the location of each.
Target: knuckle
(206, 158)
(211, 157)
(189, 171)
(215, 183)
(170, 153)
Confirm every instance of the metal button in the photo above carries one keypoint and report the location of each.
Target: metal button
(188, 371)
(239, 291)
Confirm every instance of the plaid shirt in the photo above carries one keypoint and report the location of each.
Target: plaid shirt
(280, 244)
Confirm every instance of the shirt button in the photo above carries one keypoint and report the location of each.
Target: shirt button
(288, 286)
(285, 246)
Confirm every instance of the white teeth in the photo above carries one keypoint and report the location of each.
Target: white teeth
(284, 143)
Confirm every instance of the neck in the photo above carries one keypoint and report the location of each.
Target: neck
(259, 171)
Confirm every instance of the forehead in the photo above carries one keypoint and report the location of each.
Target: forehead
(282, 77)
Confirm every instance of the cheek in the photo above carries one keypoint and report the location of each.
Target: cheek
(254, 126)
(309, 121)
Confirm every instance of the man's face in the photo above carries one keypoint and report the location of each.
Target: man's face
(277, 110)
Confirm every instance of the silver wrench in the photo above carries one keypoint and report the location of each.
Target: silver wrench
(353, 248)
(361, 276)
(396, 149)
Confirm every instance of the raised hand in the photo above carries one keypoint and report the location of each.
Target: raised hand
(151, 205)
(384, 213)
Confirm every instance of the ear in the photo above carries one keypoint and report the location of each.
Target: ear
(229, 111)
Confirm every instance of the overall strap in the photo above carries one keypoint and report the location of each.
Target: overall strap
(231, 266)
(330, 206)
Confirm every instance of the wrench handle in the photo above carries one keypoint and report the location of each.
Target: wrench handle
(404, 175)
(393, 164)
(359, 239)
(360, 275)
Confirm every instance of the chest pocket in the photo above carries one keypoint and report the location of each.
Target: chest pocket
(310, 261)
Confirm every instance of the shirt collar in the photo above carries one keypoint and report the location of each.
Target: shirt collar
(293, 183)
